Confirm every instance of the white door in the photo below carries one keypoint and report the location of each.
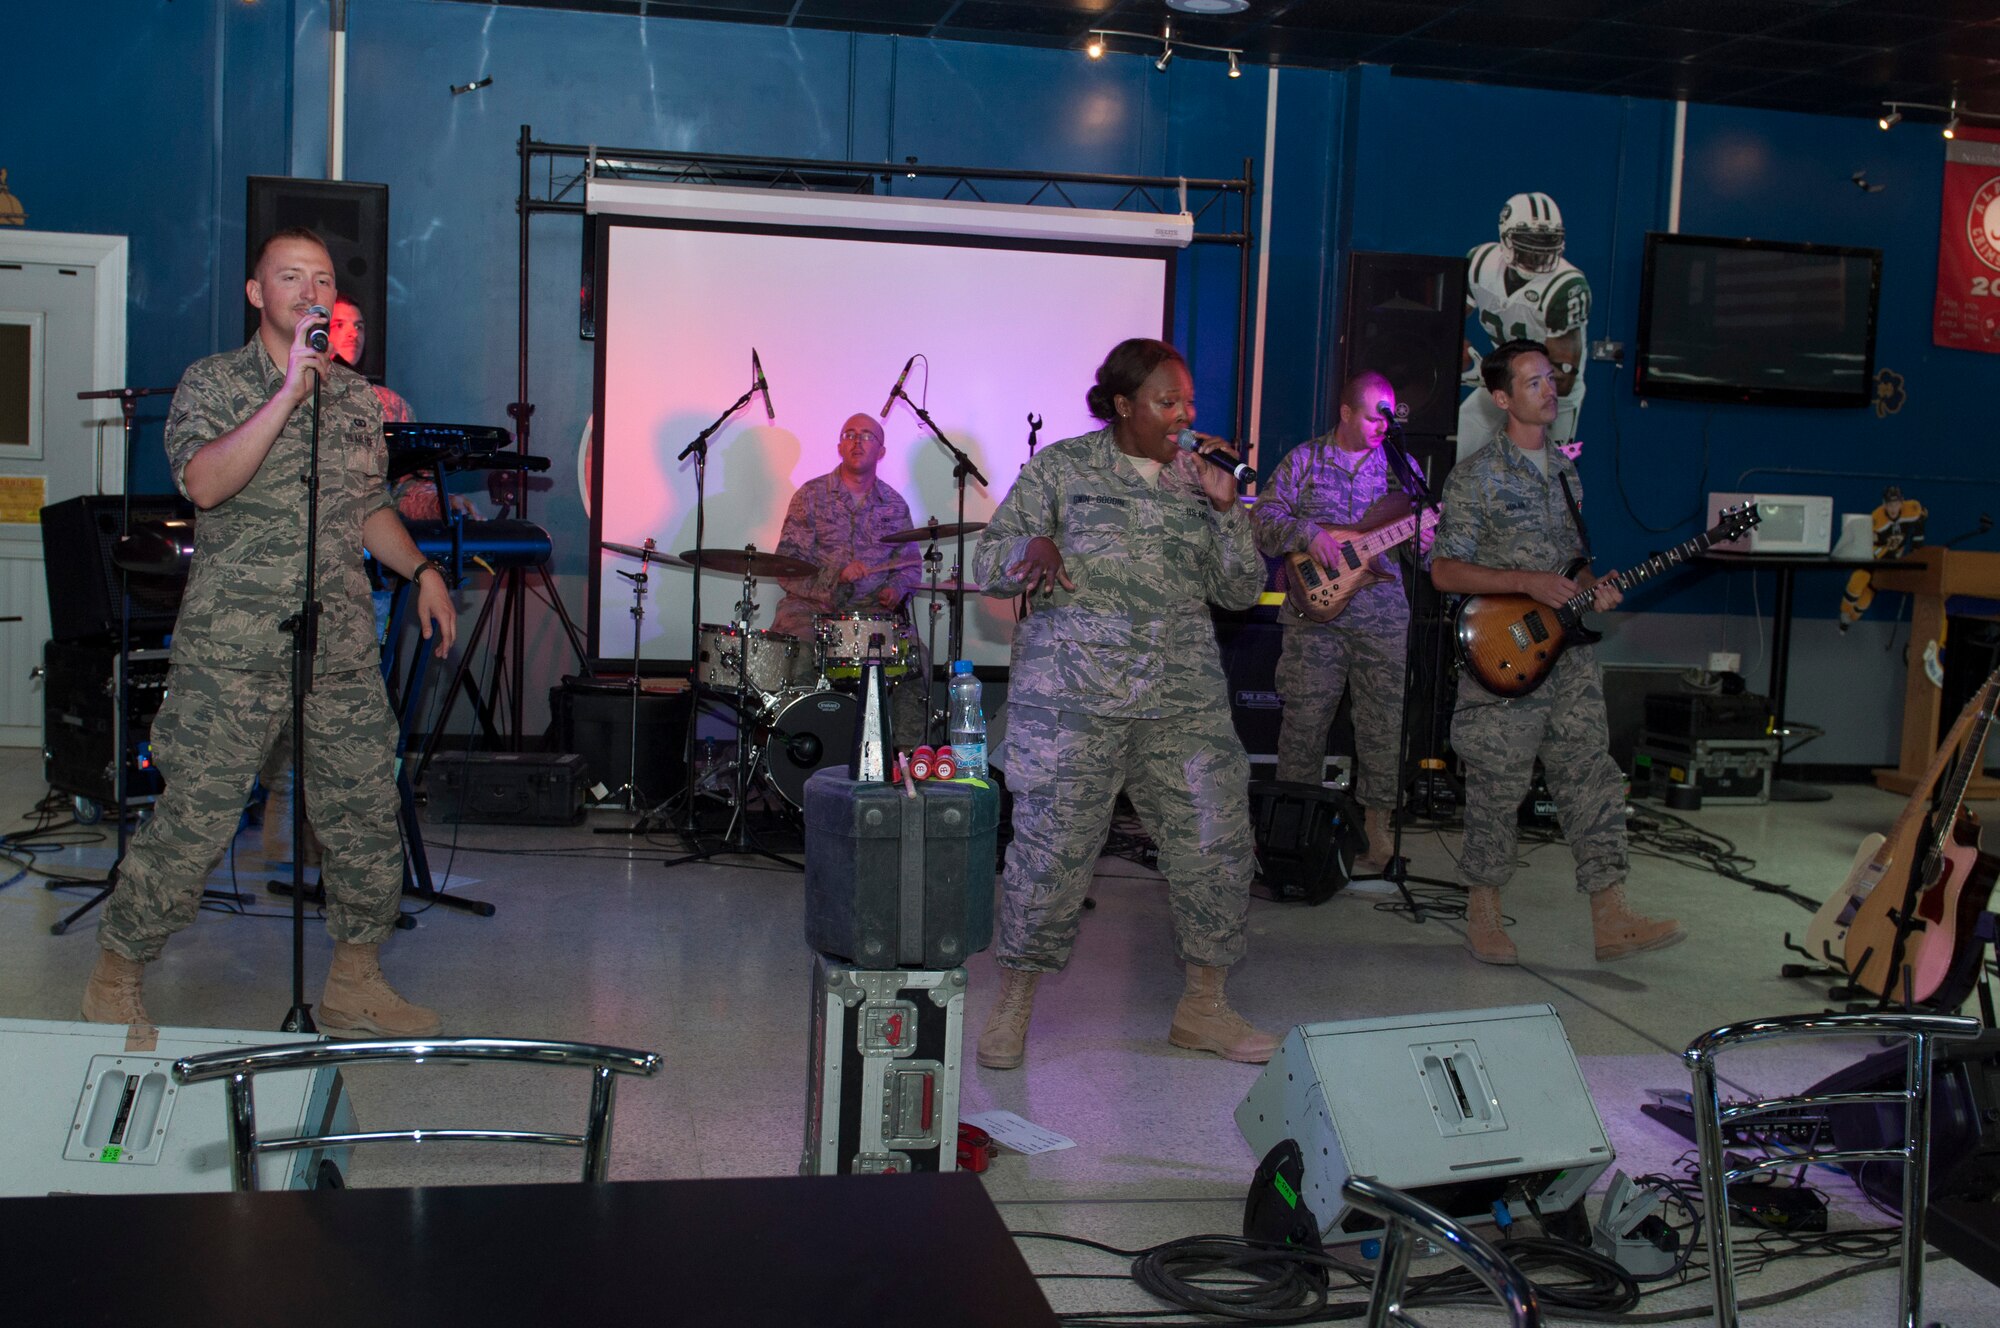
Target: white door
(62, 331)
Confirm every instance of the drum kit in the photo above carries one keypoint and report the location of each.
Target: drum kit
(795, 699)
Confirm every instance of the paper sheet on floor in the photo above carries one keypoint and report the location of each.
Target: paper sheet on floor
(1023, 1136)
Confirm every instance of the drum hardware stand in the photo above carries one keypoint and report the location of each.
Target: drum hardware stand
(126, 397)
(1397, 870)
(629, 790)
(736, 838)
(962, 469)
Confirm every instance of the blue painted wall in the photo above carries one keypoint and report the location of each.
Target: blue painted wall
(145, 121)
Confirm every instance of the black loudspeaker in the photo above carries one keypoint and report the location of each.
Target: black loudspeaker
(77, 538)
(594, 719)
(353, 219)
(1251, 642)
(1307, 836)
(80, 718)
(1971, 653)
(1404, 318)
(1965, 1121)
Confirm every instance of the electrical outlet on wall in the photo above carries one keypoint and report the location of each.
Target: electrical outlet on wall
(1608, 352)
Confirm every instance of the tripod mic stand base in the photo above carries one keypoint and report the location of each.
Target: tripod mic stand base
(298, 1019)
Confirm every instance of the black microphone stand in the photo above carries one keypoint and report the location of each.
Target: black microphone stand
(962, 468)
(1397, 870)
(303, 627)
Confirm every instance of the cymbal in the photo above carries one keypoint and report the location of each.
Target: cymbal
(947, 588)
(660, 556)
(934, 530)
(738, 562)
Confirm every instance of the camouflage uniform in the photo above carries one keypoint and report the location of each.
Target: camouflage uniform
(1119, 683)
(1362, 650)
(827, 525)
(229, 691)
(1500, 512)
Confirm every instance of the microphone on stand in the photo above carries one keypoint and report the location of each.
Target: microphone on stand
(1242, 471)
(897, 390)
(317, 337)
(758, 381)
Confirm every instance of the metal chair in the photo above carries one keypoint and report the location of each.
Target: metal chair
(1920, 1032)
(1404, 1218)
(240, 1067)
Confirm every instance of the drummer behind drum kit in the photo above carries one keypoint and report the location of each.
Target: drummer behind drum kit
(795, 700)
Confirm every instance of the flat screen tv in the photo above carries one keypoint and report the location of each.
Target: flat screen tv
(1757, 321)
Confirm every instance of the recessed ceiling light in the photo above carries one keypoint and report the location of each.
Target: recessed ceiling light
(1209, 6)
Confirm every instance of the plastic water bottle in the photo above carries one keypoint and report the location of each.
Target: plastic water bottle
(967, 722)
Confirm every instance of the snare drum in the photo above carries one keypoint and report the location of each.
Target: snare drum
(766, 662)
(846, 640)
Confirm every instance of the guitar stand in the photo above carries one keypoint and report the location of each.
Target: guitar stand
(1824, 967)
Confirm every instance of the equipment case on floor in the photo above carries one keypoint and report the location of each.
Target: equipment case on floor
(506, 788)
(1728, 770)
(894, 880)
(882, 1093)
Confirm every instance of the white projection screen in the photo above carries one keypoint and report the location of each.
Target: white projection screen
(1006, 330)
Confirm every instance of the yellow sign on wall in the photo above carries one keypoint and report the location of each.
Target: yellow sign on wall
(22, 498)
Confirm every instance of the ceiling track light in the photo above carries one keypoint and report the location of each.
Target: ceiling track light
(1951, 125)
(1099, 43)
(1954, 116)
(1892, 119)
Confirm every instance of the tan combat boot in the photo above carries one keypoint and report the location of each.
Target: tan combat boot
(1374, 859)
(112, 994)
(1485, 935)
(359, 1001)
(1004, 1043)
(1203, 1021)
(1619, 931)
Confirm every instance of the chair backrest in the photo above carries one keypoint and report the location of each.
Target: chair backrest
(239, 1068)
(1405, 1218)
(1918, 1032)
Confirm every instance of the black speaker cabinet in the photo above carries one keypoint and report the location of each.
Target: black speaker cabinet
(77, 537)
(594, 719)
(1965, 1121)
(1404, 318)
(353, 219)
(80, 715)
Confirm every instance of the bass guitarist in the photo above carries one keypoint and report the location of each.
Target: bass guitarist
(1342, 482)
(1509, 517)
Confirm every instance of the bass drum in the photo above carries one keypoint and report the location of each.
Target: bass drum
(808, 734)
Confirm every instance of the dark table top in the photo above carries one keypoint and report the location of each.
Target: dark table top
(881, 1251)
(1789, 562)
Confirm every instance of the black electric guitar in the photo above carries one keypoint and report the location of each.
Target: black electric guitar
(1510, 643)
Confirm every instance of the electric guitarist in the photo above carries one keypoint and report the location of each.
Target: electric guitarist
(1321, 493)
(1510, 513)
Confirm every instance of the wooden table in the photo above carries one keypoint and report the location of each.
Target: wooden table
(913, 1251)
(1931, 577)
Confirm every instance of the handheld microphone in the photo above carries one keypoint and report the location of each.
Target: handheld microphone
(1239, 469)
(317, 337)
(897, 390)
(757, 380)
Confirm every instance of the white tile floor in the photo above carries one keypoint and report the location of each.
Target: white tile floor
(705, 964)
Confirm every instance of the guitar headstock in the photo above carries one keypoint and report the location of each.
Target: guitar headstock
(1735, 522)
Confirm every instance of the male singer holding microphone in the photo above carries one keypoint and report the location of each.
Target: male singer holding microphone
(238, 439)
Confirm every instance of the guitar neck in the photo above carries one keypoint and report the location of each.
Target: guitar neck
(1640, 573)
(1384, 538)
(1968, 761)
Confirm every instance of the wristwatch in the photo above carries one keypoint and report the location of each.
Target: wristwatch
(416, 573)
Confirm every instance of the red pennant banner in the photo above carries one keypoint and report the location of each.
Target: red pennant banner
(1967, 313)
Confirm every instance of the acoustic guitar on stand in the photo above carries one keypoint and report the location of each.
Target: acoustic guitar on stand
(1510, 643)
(1321, 593)
(1918, 942)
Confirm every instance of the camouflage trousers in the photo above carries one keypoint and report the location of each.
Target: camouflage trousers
(1188, 779)
(1563, 723)
(211, 736)
(1319, 661)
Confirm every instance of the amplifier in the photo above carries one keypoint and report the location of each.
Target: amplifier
(79, 719)
(1708, 715)
(506, 788)
(77, 536)
(593, 718)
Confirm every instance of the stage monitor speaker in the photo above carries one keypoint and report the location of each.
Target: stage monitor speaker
(1965, 1121)
(1307, 839)
(89, 1111)
(1459, 1108)
(353, 219)
(1404, 318)
(77, 538)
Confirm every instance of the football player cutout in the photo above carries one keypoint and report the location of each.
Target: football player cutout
(1521, 288)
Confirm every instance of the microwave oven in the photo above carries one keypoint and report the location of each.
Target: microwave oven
(1795, 523)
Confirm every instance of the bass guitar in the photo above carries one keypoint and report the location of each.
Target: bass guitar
(1510, 643)
(1320, 593)
(1826, 934)
(1907, 941)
